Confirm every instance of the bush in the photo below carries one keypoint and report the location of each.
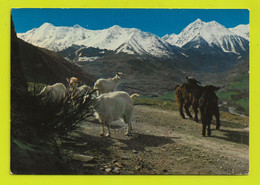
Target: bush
(60, 117)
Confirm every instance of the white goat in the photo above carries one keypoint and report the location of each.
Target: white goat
(73, 83)
(114, 106)
(56, 92)
(77, 91)
(107, 85)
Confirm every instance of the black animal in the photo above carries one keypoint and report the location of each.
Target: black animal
(188, 94)
(208, 106)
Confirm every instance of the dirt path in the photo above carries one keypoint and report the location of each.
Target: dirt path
(161, 143)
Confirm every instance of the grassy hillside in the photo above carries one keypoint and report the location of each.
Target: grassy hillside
(166, 101)
(44, 66)
(236, 88)
(236, 94)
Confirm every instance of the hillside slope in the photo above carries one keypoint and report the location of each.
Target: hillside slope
(44, 66)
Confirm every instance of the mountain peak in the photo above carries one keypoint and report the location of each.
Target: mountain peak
(241, 30)
(214, 23)
(165, 37)
(115, 27)
(215, 34)
(44, 25)
(199, 20)
(77, 26)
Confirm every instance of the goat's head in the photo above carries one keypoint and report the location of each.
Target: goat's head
(209, 92)
(192, 81)
(211, 88)
(120, 75)
(73, 83)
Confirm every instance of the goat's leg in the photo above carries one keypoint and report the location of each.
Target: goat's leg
(181, 110)
(102, 129)
(203, 129)
(203, 125)
(209, 130)
(195, 109)
(217, 120)
(186, 106)
(127, 120)
(129, 128)
(108, 130)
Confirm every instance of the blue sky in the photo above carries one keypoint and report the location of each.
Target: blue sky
(156, 21)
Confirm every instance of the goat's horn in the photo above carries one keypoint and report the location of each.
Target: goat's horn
(198, 82)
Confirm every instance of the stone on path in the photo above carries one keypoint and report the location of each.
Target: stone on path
(83, 158)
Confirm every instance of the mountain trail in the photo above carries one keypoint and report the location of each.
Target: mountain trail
(161, 143)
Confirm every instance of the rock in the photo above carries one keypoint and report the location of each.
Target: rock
(116, 170)
(138, 168)
(114, 161)
(125, 157)
(89, 166)
(134, 151)
(118, 164)
(83, 158)
(107, 165)
(108, 170)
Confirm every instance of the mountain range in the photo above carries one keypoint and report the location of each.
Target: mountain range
(151, 64)
(128, 40)
(212, 34)
(137, 42)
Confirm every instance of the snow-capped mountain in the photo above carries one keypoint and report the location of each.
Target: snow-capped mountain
(128, 40)
(206, 46)
(167, 36)
(213, 33)
(241, 30)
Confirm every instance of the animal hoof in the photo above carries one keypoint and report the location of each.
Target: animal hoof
(107, 135)
(101, 134)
